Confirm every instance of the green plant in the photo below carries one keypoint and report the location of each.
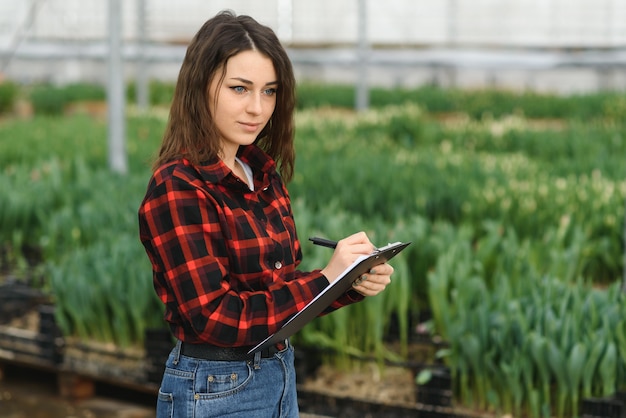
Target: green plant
(523, 341)
(52, 100)
(84, 92)
(160, 92)
(48, 100)
(104, 292)
(8, 95)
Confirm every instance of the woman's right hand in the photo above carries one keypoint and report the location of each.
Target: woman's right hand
(346, 252)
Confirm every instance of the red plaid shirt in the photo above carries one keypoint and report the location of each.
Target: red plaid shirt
(224, 257)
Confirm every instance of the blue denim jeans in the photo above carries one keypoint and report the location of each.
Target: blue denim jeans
(195, 388)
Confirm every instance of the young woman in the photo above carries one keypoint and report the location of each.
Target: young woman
(217, 225)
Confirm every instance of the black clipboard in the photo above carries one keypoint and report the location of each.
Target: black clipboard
(331, 293)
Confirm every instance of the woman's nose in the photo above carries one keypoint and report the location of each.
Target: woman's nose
(254, 104)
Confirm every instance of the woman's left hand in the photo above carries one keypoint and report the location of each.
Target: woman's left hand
(374, 281)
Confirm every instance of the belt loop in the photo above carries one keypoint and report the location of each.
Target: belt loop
(177, 351)
(257, 360)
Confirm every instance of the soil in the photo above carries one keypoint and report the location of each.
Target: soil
(391, 385)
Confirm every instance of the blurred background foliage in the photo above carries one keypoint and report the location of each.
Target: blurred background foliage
(514, 203)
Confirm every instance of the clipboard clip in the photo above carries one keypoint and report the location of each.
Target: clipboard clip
(386, 247)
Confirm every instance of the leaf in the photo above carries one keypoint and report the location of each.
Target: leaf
(424, 376)
(608, 370)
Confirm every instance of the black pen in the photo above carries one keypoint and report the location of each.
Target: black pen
(323, 242)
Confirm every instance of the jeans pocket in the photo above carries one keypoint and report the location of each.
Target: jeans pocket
(222, 379)
(165, 405)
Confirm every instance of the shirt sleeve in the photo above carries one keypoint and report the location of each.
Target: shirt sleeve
(184, 237)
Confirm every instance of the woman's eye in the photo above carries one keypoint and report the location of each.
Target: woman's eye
(269, 92)
(239, 89)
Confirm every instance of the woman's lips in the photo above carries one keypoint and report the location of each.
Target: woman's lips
(250, 127)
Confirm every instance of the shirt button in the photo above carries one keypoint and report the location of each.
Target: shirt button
(278, 265)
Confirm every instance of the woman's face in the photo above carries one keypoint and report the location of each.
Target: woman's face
(244, 102)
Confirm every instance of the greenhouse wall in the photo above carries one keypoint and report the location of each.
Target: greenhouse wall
(560, 45)
(511, 23)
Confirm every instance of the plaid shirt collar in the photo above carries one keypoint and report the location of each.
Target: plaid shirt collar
(263, 166)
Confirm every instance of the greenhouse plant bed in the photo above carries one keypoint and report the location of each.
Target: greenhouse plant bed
(32, 338)
(17, 300)
(438, 389)
(346, 407)
(84, 363)
(105, 361)
(24, 346)
(611, 407)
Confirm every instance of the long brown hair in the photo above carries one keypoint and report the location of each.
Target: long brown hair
(190, 131)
